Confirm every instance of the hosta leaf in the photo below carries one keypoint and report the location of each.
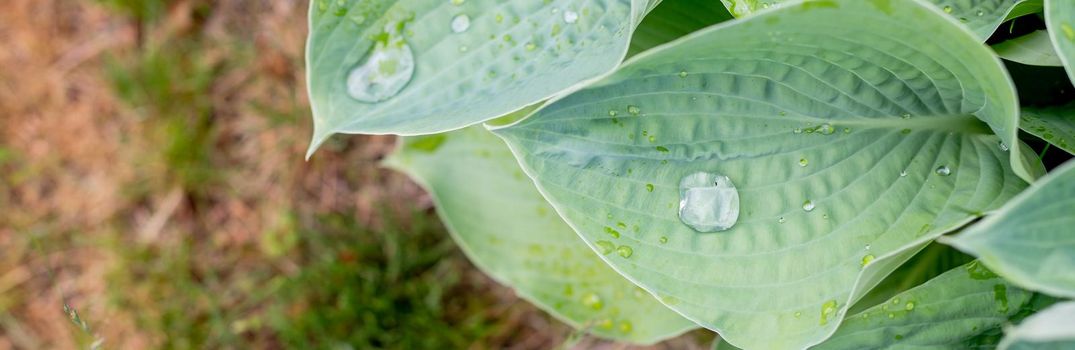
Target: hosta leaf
(1060, 19)
(1033, 49)
(426, 66)
(1055, 125)
(500, 220)
(1052, 328)
(1031, 241)
(981, 16)
(845, 146)
(947, 312)
(673, 19)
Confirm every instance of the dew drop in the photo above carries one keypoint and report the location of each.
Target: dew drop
(980, 13)
(798, 131)
(867, 259)
(383, 74)
(464, 48)
(593, 301)
(649, 187)
(634, 110)
(891, 315)
(460, 23)
(803, 162)
(1003, 147)
(868, 246)
(605, 247)
(909, 306)
(943, 170)
(781, 220)
(663, 239)
(828, 309)
(808, 205)
(532, 47)
(625, 327)
(708, 202)
(458, 2)
(903, 173)
(682, 74)
(612, 113)
(571, 16)
(612, 232)
(826, 129)
(947, 9)
(625, 251)
(906, 116)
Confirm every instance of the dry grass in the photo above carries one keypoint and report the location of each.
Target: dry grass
(153, 180)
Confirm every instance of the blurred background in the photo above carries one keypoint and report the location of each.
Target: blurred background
(154, 195)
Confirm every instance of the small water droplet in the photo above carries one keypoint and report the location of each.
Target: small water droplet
(383, 74)
(593, 301)
(605, 247)
(1003, 147)
(808, 205)
(612, 113)
(625, 326)
(663, 239)
(905, 131)
(464, 48)
(828, 309)
(909, 306)
(826, 129)
(803, 162)
(781, 220)
(891, 315)
(947, 9)
(649, 187)
(943, 170)
(662, 149)
(905, 116)
(868, 246)
(652, 138)
(634, 110)
(903, 173)
(612, 232)
(682, 74)
(797, 131)
(867, 259)
(571, 16)
(847, 130)
(625, 251)
(709, 202)
(460, 23)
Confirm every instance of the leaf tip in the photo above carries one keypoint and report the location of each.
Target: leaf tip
(316, 141)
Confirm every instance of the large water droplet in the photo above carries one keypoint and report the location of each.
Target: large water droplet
(383, 74)
(943, 170)
(708, 202)
(571, 16)
(460, 23)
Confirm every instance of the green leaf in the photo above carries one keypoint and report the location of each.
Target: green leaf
(469, 61)
(673, 19)
(1055, 125)
(504, 226)
(981, 16)
(946, 312)
(791, 107)
(1029, 241)
(1059, 19)
(1053, 328)
(1033, 49)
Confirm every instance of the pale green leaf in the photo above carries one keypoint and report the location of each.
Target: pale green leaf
(1031, 241)
(947, 312)
(1059, 18)
(981, 16)
(1033, 49)
(504, 226)
(673, 19)
(473, 60)
(792, 108)
(1052, 328)
(1055, 125)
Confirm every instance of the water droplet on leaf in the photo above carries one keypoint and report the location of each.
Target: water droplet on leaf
(803, 162)
(593, 301)
(708, 202)
(383, 74)
(605, 247)
(808, 205)
(943, 170)
(625, 251)
(571, 16)
(460, 23)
